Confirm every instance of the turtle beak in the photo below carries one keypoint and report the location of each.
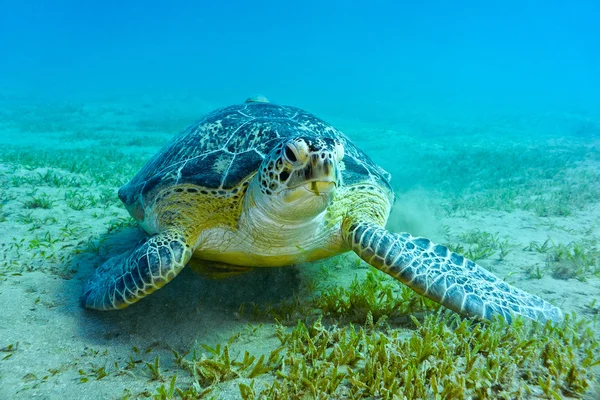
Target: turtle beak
(319, 175)
(322, 173)
(321, 168)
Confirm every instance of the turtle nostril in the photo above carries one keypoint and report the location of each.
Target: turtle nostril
(290, 155)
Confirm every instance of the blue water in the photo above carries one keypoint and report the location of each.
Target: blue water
(347, 57)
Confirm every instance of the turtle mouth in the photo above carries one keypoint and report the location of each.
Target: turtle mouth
(316, 188)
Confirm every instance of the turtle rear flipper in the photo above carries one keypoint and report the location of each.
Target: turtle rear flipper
(124, 279)
(443, 276)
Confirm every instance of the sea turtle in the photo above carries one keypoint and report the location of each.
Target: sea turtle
(265, 185)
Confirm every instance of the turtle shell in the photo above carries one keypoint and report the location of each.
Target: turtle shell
(223, 149)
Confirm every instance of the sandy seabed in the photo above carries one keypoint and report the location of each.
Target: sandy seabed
(525, 188)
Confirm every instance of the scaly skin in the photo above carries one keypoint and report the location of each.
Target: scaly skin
(436, 272)
(124, 279)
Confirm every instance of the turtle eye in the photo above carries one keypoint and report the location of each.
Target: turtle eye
(289, 154)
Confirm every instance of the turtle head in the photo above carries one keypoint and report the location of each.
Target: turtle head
(298, 178)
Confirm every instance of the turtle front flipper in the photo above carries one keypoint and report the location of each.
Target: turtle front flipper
(124, 279)
(443, 276)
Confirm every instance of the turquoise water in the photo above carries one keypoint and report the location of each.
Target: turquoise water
(351, 57)
(487, 116)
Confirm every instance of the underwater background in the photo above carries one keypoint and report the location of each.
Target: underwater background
(487, 115)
